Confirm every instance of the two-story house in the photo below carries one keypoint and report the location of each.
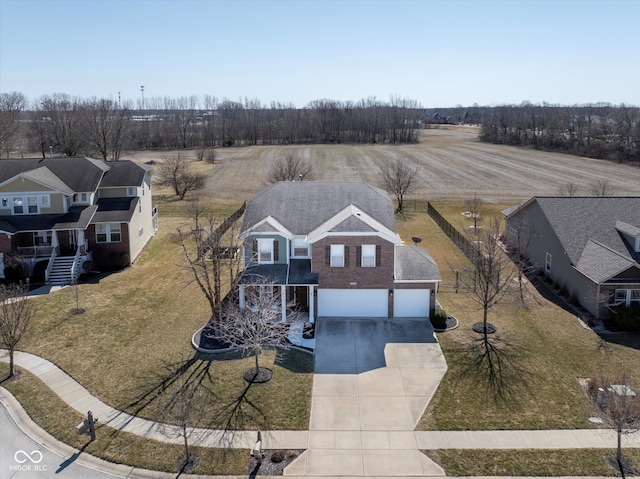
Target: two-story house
(589, 246)
(66, 211)
(332, 249)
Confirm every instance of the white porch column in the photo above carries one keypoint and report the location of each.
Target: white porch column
(283, 301)
(241, 295)
(54, 239)
(312, 315)
(81, 241)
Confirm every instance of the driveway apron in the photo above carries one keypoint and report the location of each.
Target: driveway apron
(373, 380)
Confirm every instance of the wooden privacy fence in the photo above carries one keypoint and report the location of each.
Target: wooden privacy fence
(460, 240)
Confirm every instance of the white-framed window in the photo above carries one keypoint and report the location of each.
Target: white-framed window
(620, 296)
(547, 263)
(4, 202)
(108, 233)
(25, 205)
(132, 191)
(265, 250)
(300, 247)
(44, 201)
(81, 198)
(141, 232)
(337, 256)
(368, 256)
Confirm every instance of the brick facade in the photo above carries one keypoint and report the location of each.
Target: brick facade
(353, 276)
(110, 255)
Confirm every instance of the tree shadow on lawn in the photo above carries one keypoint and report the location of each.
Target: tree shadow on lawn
(499, 367)
(231, 415)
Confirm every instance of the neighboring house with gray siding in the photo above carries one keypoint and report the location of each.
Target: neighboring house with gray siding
(67, 211)
(589, 246)
(333, 250)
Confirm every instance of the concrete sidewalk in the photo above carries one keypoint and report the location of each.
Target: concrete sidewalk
(363, 452)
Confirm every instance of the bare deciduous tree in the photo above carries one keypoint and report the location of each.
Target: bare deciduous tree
(62, 118)
(568, 189)
(106, 127)
(399, 180)
(473, 206)
(488, 280)
(210, 263)
(181, 408)
(16, 315)
(617, 405)
(290, 168)
(11, 107)
(176, 172)
(522, 235)
(257, 325)
(602, 188)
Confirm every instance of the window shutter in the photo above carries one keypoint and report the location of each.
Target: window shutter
(275, 250)
(346, 256)
(378, 249)
(327, 255)
(255, 248)
(358, 256)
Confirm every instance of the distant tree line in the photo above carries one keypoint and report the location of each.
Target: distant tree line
(596, 130)
(105, 128)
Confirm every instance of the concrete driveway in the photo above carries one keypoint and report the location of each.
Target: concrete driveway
(373, 380)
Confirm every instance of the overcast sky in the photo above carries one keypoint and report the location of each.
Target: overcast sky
(440, 53)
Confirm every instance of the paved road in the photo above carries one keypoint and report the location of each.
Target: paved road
(22, 458)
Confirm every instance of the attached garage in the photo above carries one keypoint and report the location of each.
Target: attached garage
(370, 303)
(411, 303)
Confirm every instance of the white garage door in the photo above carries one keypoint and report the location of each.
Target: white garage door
(411, 303)
(370, 303)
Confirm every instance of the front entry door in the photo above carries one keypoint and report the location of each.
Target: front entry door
(73, 240)
(302, 298)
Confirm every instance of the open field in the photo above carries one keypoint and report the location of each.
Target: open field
(452, 163)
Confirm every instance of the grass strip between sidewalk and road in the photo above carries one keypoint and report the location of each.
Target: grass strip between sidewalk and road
(529, 462)
(54, 416)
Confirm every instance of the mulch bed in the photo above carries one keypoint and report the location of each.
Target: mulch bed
(261, 376)
(479, 328)
(273, 463)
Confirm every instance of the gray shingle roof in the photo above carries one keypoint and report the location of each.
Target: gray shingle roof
(577, 220)
(124, 173)
(77, 173)
(601, 263)
(77, 217)
(115, 210)
(302, 206)
(414, 263)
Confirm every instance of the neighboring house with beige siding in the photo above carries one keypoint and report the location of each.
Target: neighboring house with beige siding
(332, 250)
(70, 211)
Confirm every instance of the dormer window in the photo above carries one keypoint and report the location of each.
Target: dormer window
(81, 198)
(300, 247)
(132, 191)
(265, 250)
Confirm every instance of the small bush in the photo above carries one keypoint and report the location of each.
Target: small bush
(627, 319)
(277, 456)
(439, 319)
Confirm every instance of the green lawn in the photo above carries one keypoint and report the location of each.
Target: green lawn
(60, 420)
(548, 348)
(139, 322)
(539, 462)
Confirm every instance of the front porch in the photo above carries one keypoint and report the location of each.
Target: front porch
(64, 251)
(293, 286)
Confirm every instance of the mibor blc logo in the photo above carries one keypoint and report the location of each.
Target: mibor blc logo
(28, 462)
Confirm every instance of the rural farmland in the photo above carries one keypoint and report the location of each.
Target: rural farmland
(452, 164)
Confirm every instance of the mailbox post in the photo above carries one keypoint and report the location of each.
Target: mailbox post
(88, 426)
